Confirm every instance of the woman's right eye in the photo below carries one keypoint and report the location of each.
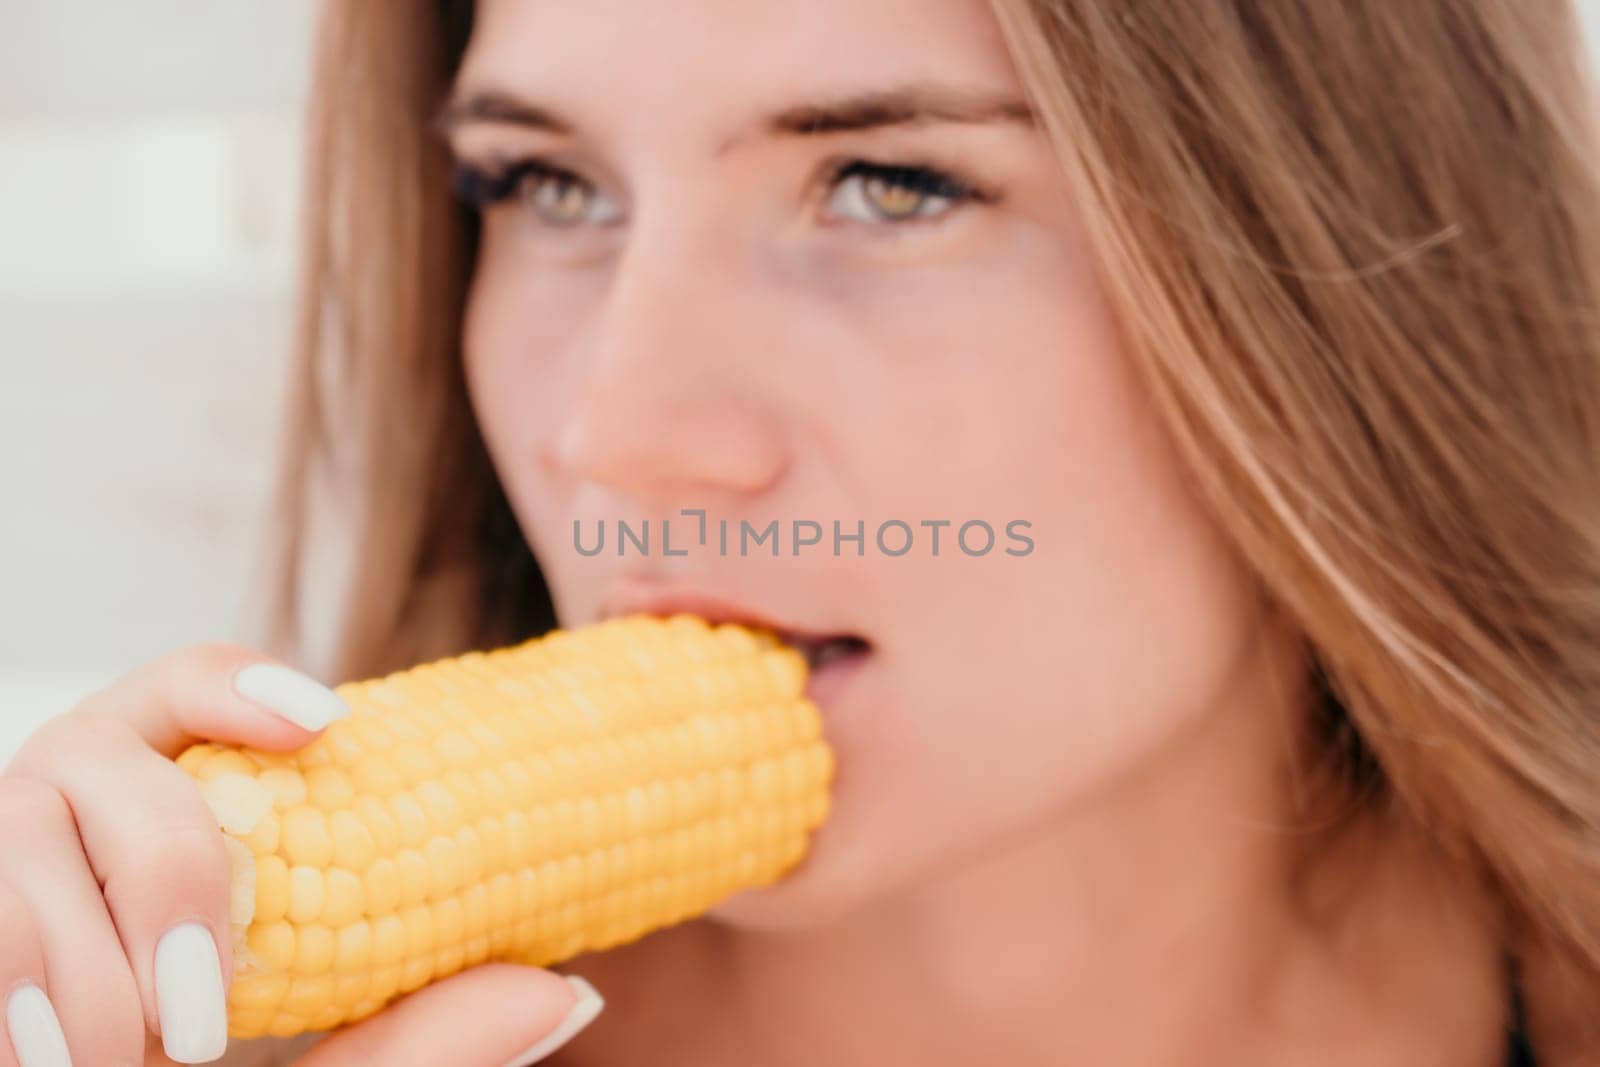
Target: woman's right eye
(556, 196)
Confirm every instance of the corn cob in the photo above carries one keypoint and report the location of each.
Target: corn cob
(566, 795)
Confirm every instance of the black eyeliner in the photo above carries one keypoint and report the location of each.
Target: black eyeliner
(928, 179)
(480, 187)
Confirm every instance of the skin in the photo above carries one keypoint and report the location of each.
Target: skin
(94, 828)
(1063, 829)
(1038, 750)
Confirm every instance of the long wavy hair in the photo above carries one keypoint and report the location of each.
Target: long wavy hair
(1355, 248)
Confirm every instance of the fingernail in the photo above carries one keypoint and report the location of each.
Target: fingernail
(35, 1031)
(578, 1016)
(303, 701)
(189, 998)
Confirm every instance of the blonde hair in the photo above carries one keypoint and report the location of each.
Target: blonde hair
(1354, 249)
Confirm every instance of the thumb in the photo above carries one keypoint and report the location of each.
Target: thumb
(494, 1015)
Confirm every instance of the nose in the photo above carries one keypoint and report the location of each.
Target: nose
(669, 401)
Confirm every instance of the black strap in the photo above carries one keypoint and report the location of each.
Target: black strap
(1519, 1051)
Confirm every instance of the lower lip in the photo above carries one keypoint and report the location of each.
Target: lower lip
(828, 683)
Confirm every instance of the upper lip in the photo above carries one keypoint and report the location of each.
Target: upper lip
(632, 597)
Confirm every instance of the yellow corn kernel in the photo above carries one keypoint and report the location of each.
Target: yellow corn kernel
(566, 795)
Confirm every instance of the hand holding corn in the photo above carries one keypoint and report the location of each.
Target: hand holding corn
(562, 796)
(527, 804)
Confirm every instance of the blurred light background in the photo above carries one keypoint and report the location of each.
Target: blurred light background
(148, 178)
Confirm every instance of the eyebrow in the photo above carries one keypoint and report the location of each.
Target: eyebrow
(914, 105)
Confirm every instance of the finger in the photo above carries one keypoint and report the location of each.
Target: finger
(149, 837)
(216, 692)
(519, 1016)
(163, 865)
(32, 1030)
(84, 969)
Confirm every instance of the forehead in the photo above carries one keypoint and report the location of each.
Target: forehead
(679, 61)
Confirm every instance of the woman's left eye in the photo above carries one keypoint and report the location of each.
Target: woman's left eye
(873, 192)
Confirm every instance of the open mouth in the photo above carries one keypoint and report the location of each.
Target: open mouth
(826, 654)
(821, 650)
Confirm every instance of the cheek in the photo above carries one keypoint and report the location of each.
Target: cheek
(512, 334)
(1016, 687)
(491, 338)
(1116, 634)
(515, 335)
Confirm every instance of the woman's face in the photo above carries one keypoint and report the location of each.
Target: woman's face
(813, 263)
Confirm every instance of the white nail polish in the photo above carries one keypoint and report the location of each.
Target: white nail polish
(303, 701)
(35, 1031)
(580, 1015)
(189, 999)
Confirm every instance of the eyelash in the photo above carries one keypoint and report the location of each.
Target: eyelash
(918, 177)
(480, 188)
